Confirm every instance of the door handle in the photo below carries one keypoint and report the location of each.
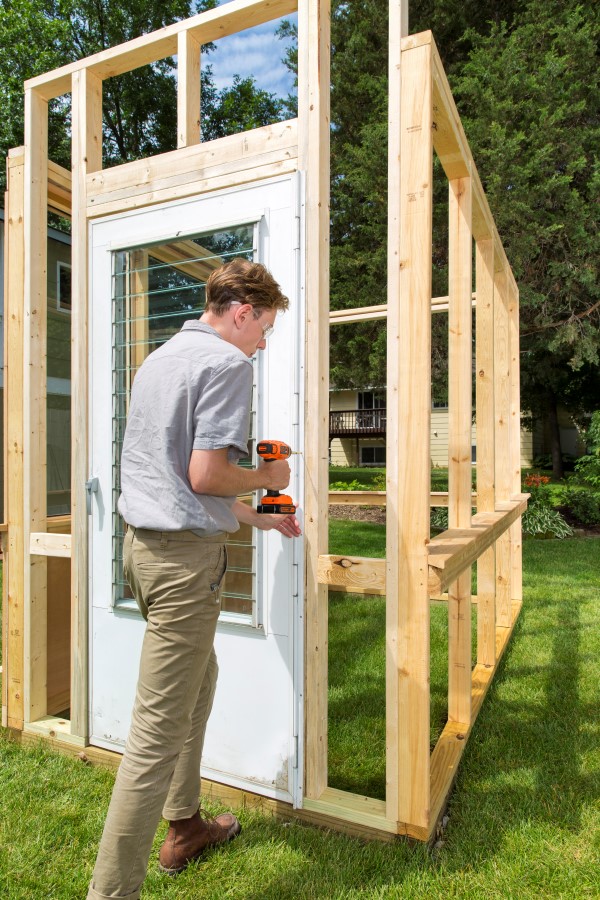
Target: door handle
(91, 487)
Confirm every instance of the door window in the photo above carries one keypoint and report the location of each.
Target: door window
(155, 290)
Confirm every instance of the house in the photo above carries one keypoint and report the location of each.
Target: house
(357, 431)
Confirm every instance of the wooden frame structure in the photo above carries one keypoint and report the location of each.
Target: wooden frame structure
(423, 120)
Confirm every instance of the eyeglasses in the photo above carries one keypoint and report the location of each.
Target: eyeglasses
(267, 329)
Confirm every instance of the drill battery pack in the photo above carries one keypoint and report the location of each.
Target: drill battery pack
(280, 505)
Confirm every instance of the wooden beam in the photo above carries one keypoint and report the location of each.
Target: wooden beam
(502, 412)
(59, 190)
(226, 162)
(221, 21)
(352, 572)
(188, 89)
(516, 537)
(35, 217)
(410, 175)
(452, 551)
(313, 146)
(13, 620)
(87, 157)
(366, 313)
(459, 440)
(486, 446)
(46, 544)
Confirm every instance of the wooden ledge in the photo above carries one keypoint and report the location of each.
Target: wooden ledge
(452, 551)
(355, 574)
(45, 544)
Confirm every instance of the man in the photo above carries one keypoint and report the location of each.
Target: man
(187, 427)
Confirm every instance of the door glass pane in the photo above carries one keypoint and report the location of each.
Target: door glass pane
(155, 290)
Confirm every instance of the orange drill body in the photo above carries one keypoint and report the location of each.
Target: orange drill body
(273, 501)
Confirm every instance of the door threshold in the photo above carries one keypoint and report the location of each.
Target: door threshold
(54, 727)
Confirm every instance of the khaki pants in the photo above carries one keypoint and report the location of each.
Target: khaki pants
(175, 578)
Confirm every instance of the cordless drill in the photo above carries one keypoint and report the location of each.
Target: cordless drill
(273, 501)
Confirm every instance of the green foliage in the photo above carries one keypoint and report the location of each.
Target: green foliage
(587, 468)
(438, 519)
(353, 485)
(584, 505)
(541, 521)
(530, 102)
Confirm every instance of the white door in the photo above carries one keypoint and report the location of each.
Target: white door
(148, 269)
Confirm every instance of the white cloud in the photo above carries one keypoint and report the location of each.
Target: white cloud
(257, 52)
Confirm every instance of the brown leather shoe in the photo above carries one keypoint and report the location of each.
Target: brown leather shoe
(187, 839)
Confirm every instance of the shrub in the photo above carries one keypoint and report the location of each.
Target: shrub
(541, 521)
(535, 485)
(353, 485)
(583, 505)
(587, 468)
(438, 518)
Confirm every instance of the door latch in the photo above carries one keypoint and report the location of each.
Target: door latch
(91, 487)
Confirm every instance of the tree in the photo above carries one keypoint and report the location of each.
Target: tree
(530, 100)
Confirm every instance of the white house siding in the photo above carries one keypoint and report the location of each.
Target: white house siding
(344, 451)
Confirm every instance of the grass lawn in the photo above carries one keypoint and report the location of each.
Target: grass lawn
(524, 816)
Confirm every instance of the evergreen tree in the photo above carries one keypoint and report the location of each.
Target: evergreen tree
(530, 99)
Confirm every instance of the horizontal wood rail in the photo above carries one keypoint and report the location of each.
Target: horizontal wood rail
(453, 551)
(450, 553)
(45, 544)
(379, 498)
(366, 313)
(358, 575)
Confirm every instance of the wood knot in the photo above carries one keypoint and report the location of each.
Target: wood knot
(345, 563)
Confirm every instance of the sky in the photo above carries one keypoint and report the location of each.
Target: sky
(257, 52)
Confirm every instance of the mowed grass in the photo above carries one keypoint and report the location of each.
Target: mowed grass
(524, 816)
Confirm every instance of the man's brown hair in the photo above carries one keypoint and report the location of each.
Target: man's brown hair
(242, 281)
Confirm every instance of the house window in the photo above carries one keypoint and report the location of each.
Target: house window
(372, 456)
(371, 400)
(63, 286)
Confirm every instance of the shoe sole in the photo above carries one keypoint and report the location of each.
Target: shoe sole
(172, 872)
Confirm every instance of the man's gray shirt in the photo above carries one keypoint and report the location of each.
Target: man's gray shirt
(193, 393)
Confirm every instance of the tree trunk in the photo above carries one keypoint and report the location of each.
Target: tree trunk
(557, 463)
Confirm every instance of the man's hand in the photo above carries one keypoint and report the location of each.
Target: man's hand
(276, 473)
(288, 526)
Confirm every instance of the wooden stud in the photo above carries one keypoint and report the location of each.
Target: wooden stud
(188, 90)
(35, 215)
(87, 157)
(516, 537)
(410, 178)
(503, 474)
(313, 102)
(459, 441)
(486, 491)
(13, 542)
